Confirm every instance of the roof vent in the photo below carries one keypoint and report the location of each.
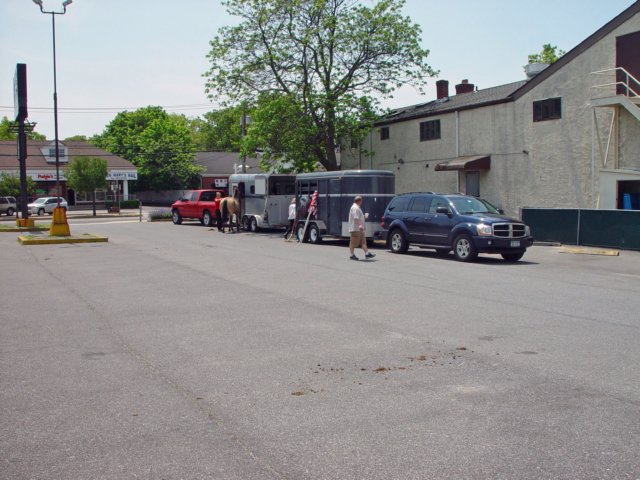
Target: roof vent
(533, 69)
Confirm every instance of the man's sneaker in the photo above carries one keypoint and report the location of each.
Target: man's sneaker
(369, 255)
(353, 257)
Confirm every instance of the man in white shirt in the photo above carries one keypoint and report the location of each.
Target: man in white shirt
(357, 231)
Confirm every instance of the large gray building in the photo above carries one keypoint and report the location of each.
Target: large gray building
(568, 136)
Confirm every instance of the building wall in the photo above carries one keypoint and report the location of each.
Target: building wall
(553, 163)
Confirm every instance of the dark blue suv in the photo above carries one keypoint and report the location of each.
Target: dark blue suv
(467, 225)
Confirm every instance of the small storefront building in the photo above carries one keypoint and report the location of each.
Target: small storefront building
(41, 168)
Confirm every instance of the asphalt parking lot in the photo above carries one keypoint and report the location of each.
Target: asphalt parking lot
(176, 352)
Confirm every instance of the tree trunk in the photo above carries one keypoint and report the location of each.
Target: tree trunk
(329, 138)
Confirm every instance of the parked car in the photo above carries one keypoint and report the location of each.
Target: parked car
(198, 204)
(44, 205)
(465, 224)
(7, 205)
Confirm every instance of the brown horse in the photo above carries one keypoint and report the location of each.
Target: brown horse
(230, 206)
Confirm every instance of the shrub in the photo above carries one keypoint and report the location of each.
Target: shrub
(159, 214)
(123, 204)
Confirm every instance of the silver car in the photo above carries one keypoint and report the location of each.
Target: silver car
(7, 205)
(46, 205)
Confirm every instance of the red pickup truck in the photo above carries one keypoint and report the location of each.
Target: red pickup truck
(198, 204)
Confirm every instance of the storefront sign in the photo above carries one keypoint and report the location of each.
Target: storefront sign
(122, 175)
(221, 182)
(45, 175)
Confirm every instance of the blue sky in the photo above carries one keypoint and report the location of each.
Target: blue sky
(125, 54)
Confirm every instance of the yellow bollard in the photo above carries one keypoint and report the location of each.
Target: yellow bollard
(25, 222)
(59, 225)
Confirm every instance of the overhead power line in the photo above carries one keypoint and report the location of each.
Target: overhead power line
(169, 108)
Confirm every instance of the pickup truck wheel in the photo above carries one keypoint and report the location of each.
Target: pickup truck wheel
(300, 232)
(513, 256)
(176, 217)
(313, 233)
(206, 218)
(253, 224)
(463, 248)
(397, 241)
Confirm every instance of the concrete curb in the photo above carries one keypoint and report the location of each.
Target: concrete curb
(590, 251)
(48, 240)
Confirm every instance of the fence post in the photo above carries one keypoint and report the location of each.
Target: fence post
(578, 230)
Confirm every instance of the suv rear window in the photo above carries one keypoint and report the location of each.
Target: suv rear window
(399, 204)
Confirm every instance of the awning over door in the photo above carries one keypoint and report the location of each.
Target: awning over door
(478, 162)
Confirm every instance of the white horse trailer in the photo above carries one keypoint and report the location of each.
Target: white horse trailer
(264, 199)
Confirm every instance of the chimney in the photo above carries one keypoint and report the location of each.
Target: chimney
(464, 87)
(442, 89)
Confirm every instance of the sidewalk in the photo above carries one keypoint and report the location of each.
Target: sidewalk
(84, 213)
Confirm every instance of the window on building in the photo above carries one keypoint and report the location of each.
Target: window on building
(549, 109)
(429, 130)
(384, 133)
(61, 152)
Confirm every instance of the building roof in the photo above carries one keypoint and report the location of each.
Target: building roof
(36, 160)
(579, 49)
(222, 163)
(508, 92)
(479, 98)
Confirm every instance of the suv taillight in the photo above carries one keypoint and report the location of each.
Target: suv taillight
(382, 223)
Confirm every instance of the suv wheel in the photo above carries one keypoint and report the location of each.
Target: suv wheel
(41, 211)
(397, 241)
(513, 256)
(464, 249)
(176, 218)
(9, 212)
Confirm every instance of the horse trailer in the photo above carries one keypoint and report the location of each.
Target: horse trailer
(264, 199)
(336, 192)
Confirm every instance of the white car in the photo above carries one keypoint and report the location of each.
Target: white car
(46, 205)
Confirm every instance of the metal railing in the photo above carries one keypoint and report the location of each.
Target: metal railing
(628, 78)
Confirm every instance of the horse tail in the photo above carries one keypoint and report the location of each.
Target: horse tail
(225, 209)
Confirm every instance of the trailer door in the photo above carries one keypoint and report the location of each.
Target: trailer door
(333, 210)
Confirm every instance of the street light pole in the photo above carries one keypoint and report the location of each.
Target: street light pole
(55, 86)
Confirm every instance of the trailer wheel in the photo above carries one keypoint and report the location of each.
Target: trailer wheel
(245, 223)
(313, 232)
(300, 232)
(253, 224)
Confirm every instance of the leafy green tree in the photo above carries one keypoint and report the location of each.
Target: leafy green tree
(322, 55)
(159, 144)
(6, 134)
(76, 138)
(547, 55)
(10, 185)
(87, 174)
(218, 130)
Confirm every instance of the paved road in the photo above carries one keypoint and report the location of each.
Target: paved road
(176, 352)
